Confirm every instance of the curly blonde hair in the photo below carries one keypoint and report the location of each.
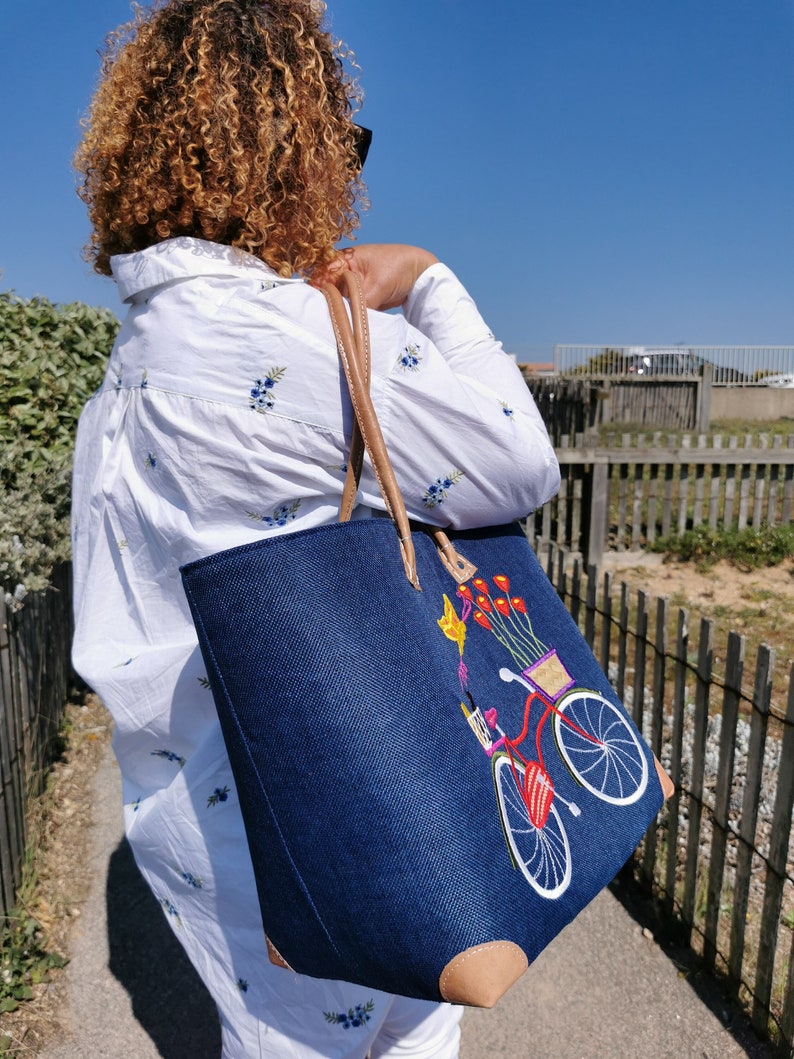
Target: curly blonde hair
(227, 120)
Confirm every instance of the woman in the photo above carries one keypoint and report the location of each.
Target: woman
(220, 167)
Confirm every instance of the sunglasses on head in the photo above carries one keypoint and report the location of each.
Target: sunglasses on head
(363, 140)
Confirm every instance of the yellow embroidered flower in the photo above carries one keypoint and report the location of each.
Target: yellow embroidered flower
(451, 625)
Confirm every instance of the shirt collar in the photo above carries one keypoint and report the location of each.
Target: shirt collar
(184, 258)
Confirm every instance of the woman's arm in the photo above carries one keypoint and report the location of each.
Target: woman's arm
(467, 442)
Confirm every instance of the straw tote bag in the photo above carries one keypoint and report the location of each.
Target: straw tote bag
(435, 775)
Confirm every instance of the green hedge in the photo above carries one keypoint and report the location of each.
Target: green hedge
(52, 358)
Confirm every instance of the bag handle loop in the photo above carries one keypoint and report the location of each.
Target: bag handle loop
(353, 345)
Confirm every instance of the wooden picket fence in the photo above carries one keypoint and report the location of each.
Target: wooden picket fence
(35, 675)
(717, 858)
(568, 406)
(625, 496)
(676, 404)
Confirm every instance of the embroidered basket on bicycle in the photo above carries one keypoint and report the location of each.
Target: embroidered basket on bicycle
(550, 675)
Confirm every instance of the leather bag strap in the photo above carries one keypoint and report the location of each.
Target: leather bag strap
(360, 348)
(353, 346)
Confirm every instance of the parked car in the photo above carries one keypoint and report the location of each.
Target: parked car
(664, 362)
(781, 382)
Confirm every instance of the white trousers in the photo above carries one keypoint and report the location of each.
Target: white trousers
(408, 1029)
(418, 1031)
(190, 845)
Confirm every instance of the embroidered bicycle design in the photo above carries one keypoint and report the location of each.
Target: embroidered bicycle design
(593, 737)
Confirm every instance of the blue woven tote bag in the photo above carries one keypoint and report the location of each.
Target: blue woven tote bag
(434, 773)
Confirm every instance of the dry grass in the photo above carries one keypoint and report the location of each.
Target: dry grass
(758, 604)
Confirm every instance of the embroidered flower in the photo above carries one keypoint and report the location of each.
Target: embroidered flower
(451, 625)
(135, 806)
(144, 380)
(242, 985)
(170, 908)
(122, 544)
(169, 755)
(281, 515)
(261, 397)
(119, 382)
(507, 411)
(353, 1018)
(410, 358)
(220, 794)
(151, 461)
(190, 879)
(436, 494)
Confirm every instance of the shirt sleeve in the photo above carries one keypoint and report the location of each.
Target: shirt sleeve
(467, 442)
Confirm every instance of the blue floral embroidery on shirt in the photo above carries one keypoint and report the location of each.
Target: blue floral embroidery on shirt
(281, 515)
(144, 380)
(242, 984)
(126, 662)
(170, 908)
(189, 878)
(261, 396)
(135, 806)
(507, 411)
(119, 382)
(436, 494)
(203, 682)
(220, 794)
(410, 358)
(169, 755)
(151, 461)
(353, 1018)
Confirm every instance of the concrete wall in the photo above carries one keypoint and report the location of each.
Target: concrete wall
(751, 402)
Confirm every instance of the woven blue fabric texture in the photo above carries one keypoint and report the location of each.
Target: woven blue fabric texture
(419, 772)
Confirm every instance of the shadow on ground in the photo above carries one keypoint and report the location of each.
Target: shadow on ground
(169, 1000)
(641, 907)
(173, 1006)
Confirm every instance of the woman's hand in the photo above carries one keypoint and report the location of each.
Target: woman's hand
(387, 271)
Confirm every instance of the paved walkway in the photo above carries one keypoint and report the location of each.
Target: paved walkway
(602, 990)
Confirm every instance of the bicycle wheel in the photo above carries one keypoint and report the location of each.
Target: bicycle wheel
(542, 854)
(611, 764)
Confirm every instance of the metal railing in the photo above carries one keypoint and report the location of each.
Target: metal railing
(731, 365)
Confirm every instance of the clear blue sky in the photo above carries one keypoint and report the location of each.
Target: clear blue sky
(605, 171)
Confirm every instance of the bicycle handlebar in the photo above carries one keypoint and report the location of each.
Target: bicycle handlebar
(507, 675)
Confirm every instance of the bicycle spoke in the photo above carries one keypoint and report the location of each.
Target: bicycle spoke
(541, 854)
(610, 763)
